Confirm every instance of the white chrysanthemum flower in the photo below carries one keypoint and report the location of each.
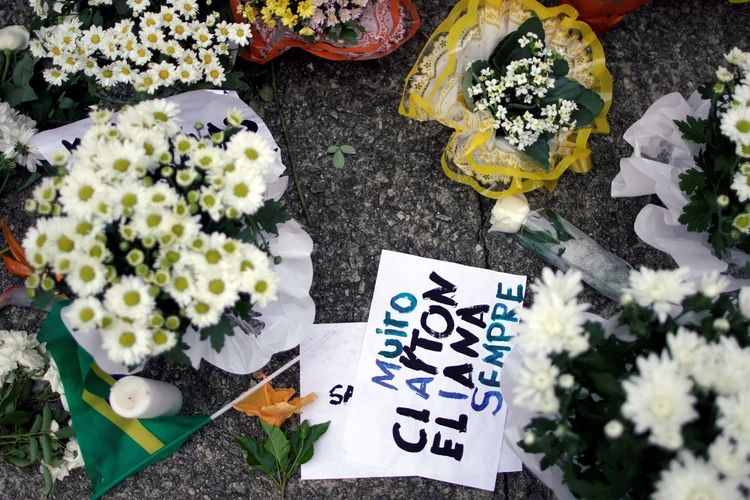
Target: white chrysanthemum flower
(85, 313)
(129, 298)
(88, 277)
(188, 74)
(55, 76)
(741, 186)
(550, 325)
(91, 39)
(203, 314)
(251, 150)
(713, 284)
(744, 302)
(207, 158)
(730, 459)
(536, 386)
(202, 36)
(239, 34)
(244, 191)
(614, 429)
(735, 57)
(162, 341)
(126, 343)
(22, 349)
(220, 291)
(735, 124)
(164, 73)
(724, 75)
(211, 203)
(659, 399)
(161, 114)
(689, 478)
(659, 289)
(741, 95)
(214, 73)
(732, 374)
(566, 285)
(138, 6)
(733, 416)
(23, 151)
(182, 287)
(264, 284)
(686, 347)
(122, 160)
(207, 57)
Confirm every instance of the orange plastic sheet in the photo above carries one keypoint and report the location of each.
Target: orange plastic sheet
(388, 25)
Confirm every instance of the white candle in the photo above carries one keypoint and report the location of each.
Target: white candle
(136, 397)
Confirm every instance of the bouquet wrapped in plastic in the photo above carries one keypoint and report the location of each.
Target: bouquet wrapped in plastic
(695, 156)
(522, 85)
(332, 29)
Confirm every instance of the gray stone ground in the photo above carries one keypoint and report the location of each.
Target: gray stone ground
(393, 195)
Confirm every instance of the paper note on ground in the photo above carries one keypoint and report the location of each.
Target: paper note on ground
(330, 373)
(429, 401)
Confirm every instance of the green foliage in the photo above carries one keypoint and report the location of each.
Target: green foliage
(218, 332)
(695, 129)
(339, 152)
(281, 454)
(26, 436)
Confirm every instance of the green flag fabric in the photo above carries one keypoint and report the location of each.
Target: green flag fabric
(113, 447)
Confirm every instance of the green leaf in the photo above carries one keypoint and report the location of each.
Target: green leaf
(33, 449)
(67, 103)
(349, 36)
(348, 150)
(46, 419)
(47, 480)
(46, 448)
(23, 71)
(560, 68)
(270, 216)
(217, 332)
(696, 215)
(18, 417)
(65, 433)
(177, 354)
(694, 129)
(606, 384)
(277, 444)
(257, 107)
(12, 94)
(499, 56)
(692, 180)
(466, 83)
(564, 89)
(304, 430)
(338, 159)
(590, 104)
(266, 93)
(122, 8)
(37, 424)
(234, 81)
(539, 153)
(20, 462)
(255, 455)
(30, 180)
(332, 149)
(97, 19)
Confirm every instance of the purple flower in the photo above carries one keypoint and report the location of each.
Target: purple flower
(345, 15)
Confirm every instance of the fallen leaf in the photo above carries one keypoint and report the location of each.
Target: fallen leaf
(20, 266)
(273, 406)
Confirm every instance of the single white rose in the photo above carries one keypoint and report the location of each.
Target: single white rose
(509, 214)
(745, 301)
(14, 38)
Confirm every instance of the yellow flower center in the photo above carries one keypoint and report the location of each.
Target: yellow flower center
(132, 298)
(127, 339)
(87, 274)
(261, 286)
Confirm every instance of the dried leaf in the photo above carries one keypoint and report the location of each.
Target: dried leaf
(15, 248)
(17, 268)
(273, 406)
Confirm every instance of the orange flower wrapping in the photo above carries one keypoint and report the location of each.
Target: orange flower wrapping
(273, 406)
(389, 24)
(601, 15)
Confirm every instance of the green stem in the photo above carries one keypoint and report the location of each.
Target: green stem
(4, 181)
(288, 145)
(4, 250)
(6, 53)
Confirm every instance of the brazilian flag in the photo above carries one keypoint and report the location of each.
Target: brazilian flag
(113, 447)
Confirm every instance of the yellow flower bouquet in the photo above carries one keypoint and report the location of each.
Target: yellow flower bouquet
(522, 85)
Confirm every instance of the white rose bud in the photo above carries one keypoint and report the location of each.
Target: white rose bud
(14, 38)
(744, 300)
(509, 214)
(613, 429)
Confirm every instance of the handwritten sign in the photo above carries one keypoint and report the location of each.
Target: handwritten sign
(331, 373)
(429, 399)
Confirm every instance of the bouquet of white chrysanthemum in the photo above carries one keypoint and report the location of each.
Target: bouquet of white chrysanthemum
(147, 44)
(152, 230)
(25, 438)
(653, 403)
(16, 147)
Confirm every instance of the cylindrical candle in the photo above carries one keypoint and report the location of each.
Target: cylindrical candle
(136, 397)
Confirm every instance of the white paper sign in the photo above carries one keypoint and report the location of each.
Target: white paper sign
(429, 400)
(330, 373)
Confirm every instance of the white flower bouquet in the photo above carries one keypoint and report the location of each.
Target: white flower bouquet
(652, 403)
(154, 233)
(28, 436)
(695, 156)
(16, 148)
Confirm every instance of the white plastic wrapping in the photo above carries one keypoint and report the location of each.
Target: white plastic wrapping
(660, 155)
(282, 324)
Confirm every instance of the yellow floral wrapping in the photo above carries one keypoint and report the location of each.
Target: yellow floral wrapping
(473, 155)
